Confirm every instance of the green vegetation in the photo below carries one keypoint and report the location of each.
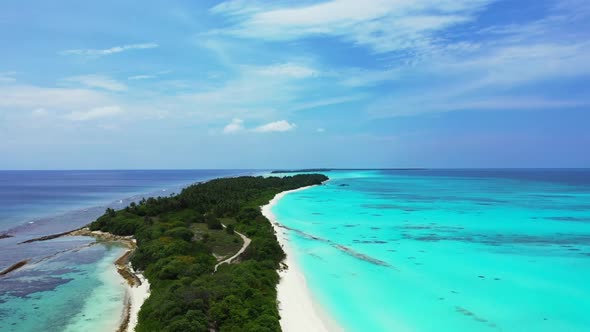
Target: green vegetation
(219, 242)
(176, 239)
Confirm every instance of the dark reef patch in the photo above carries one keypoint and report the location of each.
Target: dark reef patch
(391, 207)
(559, 239)
(370, 242)
(475, 317)
(316, 256)
(567, 218)
(432, 226)
(24, 286)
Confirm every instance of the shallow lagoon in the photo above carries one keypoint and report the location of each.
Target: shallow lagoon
(473, 250)
(75, 290)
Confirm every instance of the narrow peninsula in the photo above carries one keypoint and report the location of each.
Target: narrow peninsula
(181, 241)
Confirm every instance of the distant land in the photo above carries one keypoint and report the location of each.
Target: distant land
(304, 170)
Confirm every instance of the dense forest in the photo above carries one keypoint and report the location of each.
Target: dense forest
(180, 239)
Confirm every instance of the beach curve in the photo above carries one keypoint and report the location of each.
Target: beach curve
(137, 285)
(297, 308)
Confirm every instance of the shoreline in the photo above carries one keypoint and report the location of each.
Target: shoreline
(297, 308)
(137, 286)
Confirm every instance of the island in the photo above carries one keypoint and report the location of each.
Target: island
(210, 255)
(305, 170)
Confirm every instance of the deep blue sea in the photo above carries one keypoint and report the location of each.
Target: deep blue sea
(70, 283)
(446, 250)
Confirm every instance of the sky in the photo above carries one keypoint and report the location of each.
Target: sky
(288, 84)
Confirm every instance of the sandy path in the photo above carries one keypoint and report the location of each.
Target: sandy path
(244, 247)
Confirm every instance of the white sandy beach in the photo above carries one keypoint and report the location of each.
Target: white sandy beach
(297, 308)
(137, 295)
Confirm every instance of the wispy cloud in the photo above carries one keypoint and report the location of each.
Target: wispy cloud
(31, 97)
(148, 76)
(97, 81)
(415, 105)
(7, 77)
(503, 68)
(111, 50)
(288, 70)
(253, 92)
(141, 77)
(382, 25)
(95, 113)
(326, 102)
(461, 72)
(39, 112)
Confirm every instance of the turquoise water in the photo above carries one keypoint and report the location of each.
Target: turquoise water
(457, 250)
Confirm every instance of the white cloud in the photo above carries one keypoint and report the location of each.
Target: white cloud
(382, 25)
(95, 113)
(277, 126)
(109, 51)
(236, 125)
(320, 130)
(98, 81)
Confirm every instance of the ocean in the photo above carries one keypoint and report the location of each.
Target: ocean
(446, 250)
(70, 283)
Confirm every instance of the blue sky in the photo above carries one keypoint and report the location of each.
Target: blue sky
(286, 84)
